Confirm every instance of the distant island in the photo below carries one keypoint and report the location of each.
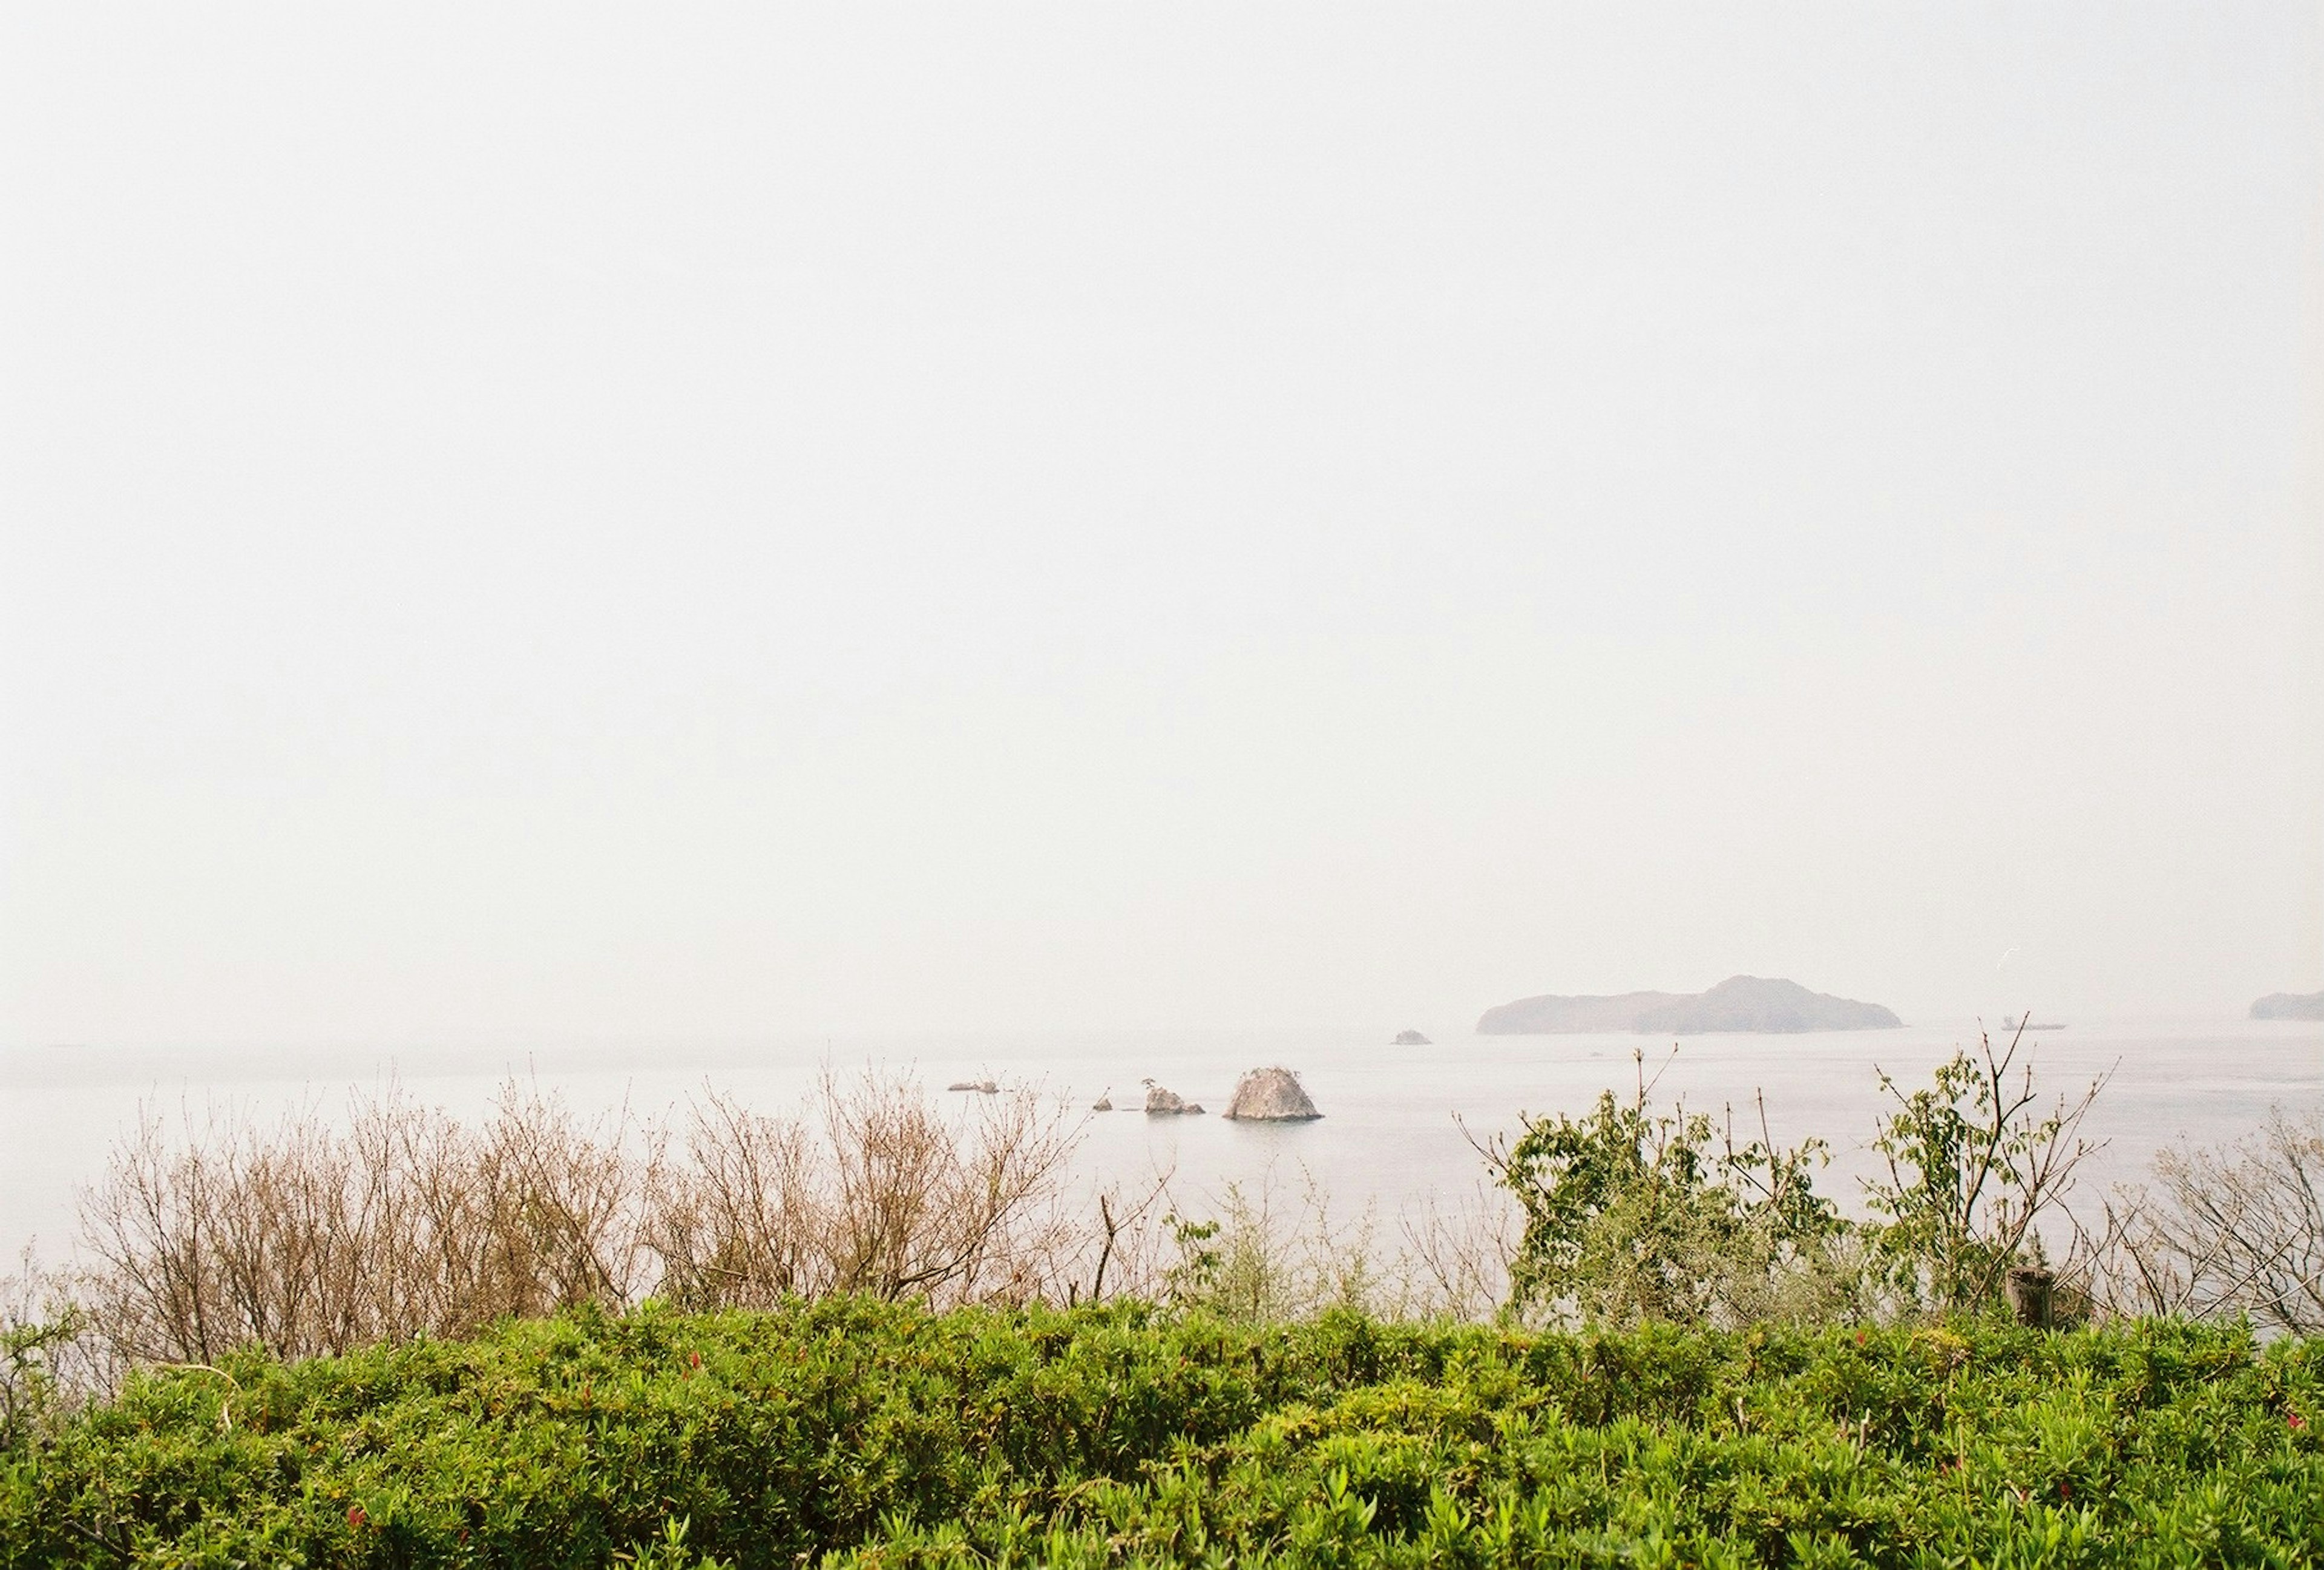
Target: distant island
(1409, 1038)
(1740, 1002)
(2289, 1006)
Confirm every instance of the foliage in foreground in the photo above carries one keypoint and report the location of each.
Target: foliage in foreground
(1634, 1213)
(852, 1432)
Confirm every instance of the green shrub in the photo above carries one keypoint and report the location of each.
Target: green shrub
(852, 1432)
(1973, 1165)
(1633, 1214)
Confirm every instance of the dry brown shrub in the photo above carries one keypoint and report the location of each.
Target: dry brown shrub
(877, 1192)
(2238, 1229)
(308, 1236)
(307, 1239)
(1458, 1255)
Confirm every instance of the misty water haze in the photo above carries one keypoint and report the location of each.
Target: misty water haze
(527, 536)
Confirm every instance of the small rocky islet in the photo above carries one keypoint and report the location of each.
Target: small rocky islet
(1263, 1095)
(1271, 1095)
(1164, 1103)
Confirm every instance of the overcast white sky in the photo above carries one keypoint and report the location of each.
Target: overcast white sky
(722, 521)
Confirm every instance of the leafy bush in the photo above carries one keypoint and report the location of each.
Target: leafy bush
(30, 1394)
(49, 1354)
(860, 1433)
(1973, 1165)
(1633, 1214)
(1251, 1263)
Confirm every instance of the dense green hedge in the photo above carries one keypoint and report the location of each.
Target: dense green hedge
(879, 1435)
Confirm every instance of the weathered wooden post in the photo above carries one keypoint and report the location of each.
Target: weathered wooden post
(2029, 1288)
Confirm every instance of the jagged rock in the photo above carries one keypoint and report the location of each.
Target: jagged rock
(982, 1086)
(1409, 1038)
(1104, 1103)
(1271, 1095)
(1161, 1102)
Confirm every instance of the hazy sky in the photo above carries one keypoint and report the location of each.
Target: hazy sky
(525, 523)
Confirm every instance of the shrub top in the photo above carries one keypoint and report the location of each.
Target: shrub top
(850, 1431)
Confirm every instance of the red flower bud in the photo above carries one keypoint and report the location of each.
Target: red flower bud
(355, 1517)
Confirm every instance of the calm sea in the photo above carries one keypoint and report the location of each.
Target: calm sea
(1391, 1136)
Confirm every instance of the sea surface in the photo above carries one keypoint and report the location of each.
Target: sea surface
(1396, 1135)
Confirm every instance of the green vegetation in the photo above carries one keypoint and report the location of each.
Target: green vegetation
(875, 1334)
(852, 1432)
(1634, 1215)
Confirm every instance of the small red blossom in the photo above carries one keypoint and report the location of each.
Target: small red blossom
(1859, 1338)
(2295, 1422)
(693, 1359)
(2065, 1488)
(355, 1517)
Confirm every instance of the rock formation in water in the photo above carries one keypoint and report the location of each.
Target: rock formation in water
(1105, 1102)
(2289, 1006)
(982, 1086)
(1271, 1095)
(1161, 1102)
(1741, 1002)
(1409, 1038)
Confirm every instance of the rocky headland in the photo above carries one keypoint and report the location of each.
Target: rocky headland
(2289, 1006)
(1741, 1002)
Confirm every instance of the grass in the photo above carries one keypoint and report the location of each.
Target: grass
(850, 1432)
